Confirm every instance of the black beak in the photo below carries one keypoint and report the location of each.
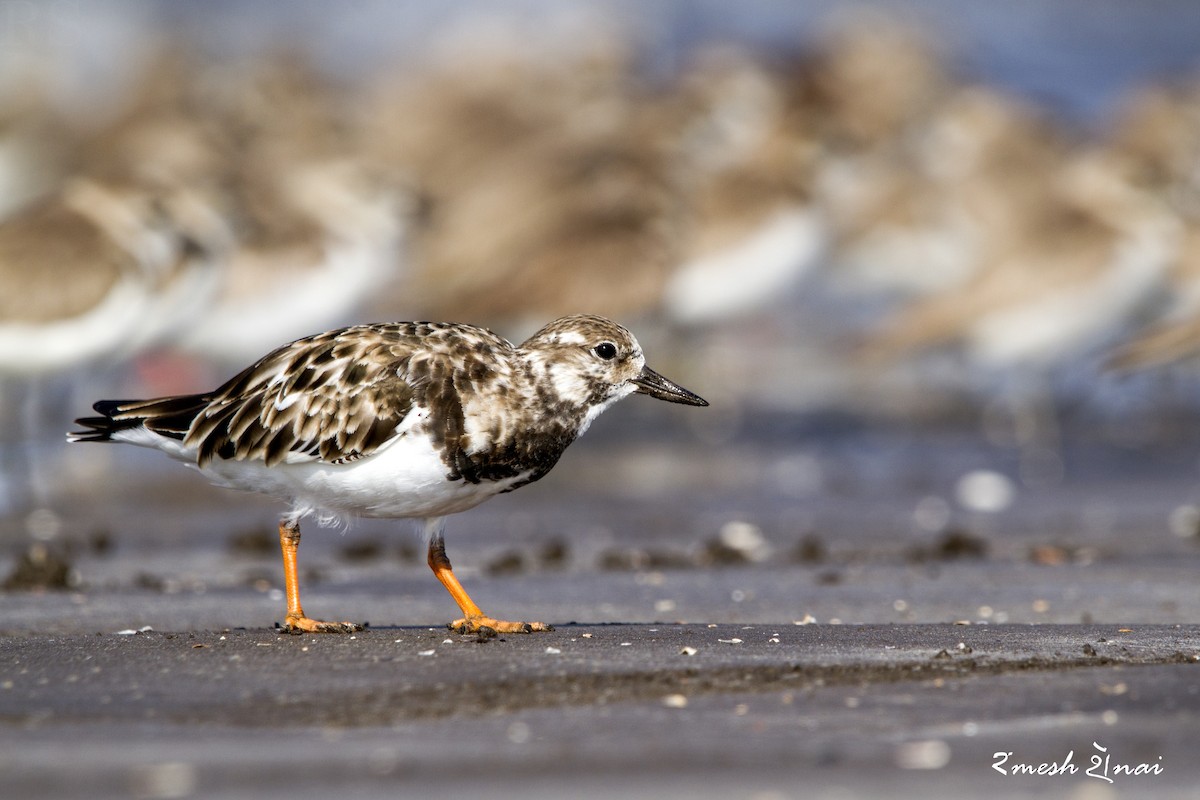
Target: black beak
(655, 385)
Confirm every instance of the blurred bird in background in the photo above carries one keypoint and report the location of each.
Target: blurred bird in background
(756, 208)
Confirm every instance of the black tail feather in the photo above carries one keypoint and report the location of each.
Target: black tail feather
(167, 416)
(110, 407)
(99, 429)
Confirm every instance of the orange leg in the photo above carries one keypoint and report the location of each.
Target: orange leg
(296, 621)
(473, 619)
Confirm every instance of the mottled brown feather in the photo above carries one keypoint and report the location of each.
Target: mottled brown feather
(337, 396)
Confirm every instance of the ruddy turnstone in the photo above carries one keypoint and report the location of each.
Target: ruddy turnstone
(313, 230)
(1090, 256)
(99, 271)
(554, 147)
(1174, 336)
(747, 164)
(924, 218)
(401, 420)
(90, 276)
(314, 239)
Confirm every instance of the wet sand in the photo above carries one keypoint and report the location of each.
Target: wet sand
(670, 710)
(1064, 622)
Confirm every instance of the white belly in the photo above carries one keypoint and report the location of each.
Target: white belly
(405, 479)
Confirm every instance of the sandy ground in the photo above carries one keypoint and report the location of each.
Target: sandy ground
(729, 710)
(1065, 622)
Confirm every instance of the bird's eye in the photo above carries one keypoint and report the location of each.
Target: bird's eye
(606, 350)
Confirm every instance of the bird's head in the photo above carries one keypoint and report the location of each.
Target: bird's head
(592, 362)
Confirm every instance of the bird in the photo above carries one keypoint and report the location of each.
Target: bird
(1175, 334)
(329, 235)
(751, 229)
(101, 269)
(562, 151)
(411, 420)
(318, 227)
(90, 276)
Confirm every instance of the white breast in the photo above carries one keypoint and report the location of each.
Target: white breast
(407, 478)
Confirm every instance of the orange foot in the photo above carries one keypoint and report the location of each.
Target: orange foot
(475, 624)
(299, 624)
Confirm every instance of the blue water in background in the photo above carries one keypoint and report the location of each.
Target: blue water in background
(1074, 57)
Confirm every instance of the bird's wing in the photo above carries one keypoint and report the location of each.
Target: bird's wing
(334, 397)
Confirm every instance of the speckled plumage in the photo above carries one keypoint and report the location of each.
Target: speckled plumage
(407, 419)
